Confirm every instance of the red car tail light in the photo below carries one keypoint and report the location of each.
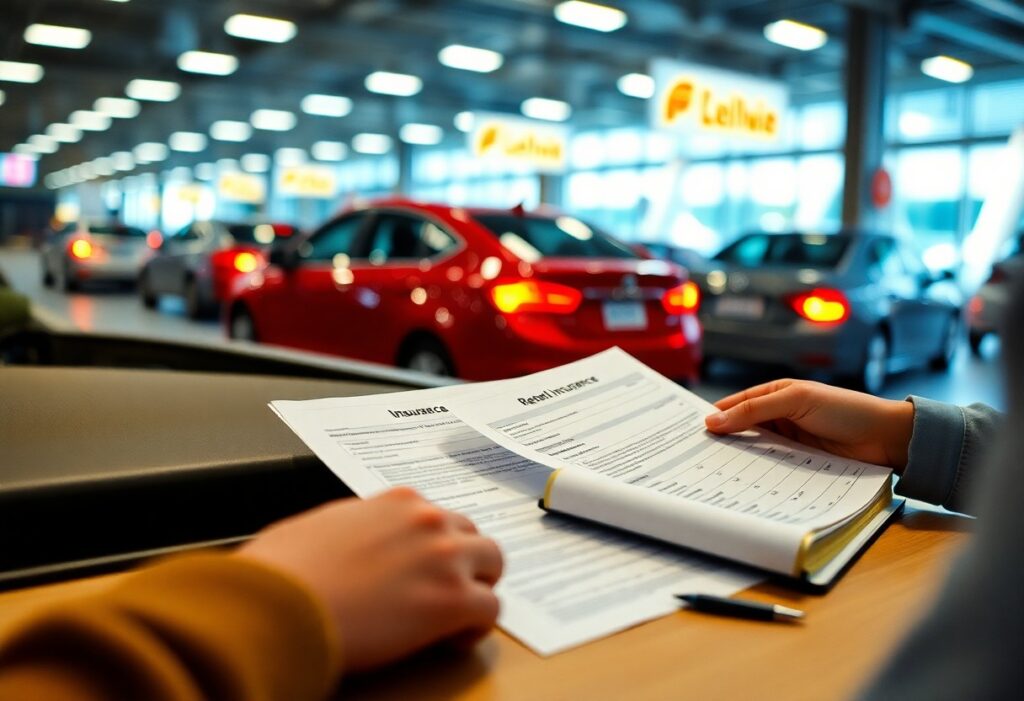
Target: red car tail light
(683, 299)
(154, 239)
(822, 306)
(81, 249)
(535, 296)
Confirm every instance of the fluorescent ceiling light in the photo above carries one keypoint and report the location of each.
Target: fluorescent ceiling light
(227, 130)
(55, 35)
(326, 105)
(207, 63)
(180, 173)
(150, 152)
(637, 85)
(65, 133)
(117, 107)
(122, 160)
(273, 120)
(276, 31)
(600, 18)
(371, 143)
(947, 68)
(227, 164)
(16, 72)
(256, 163)
(386, 83)
(544, 108)
(103, 166)
(329, 151)
(90, 121)
(87, 171)
(290, 156)
(464, 121)
(795, 35)
(421, 134)
(43, 144)
(153, 90)
(470, 58)
(205, 171)
(187, 141)
(25, 150)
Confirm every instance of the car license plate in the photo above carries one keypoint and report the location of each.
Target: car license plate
(739, 307)
(624, 316)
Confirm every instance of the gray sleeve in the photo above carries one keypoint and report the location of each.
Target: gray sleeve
(947, 451)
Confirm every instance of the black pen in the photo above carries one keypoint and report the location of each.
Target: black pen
(740, 608)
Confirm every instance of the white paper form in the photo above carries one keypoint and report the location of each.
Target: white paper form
(566, 582)
(613, 416)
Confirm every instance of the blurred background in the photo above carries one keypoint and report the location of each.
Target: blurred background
(750, 188)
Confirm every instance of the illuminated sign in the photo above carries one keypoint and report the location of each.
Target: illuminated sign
(694, 98)
(242, 187)
(17, 170)
(307, 181)
(542, 146)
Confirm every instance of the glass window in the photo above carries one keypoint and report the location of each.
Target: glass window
(798, 250)
(587, 151)
(819, 192)
(883, 260)
(532, 238)
(927, 188)
(822, 125)
(998, 108)
(338, 237)
(931, 114)
(406, 237)
(624, 147)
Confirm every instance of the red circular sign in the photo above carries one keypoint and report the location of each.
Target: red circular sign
(881, 188)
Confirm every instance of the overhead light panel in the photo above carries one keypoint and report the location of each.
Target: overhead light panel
(326, 105)
(375, 144)
(600, 18)
(276, 31)
(153, 90)
(464, 121)
(207, 63)
(547, 109)
(150, 152)
(387, 83)
(329, 151)
(43, 144)
(227, 130)
(25, 150)
(57, 36)
(290, 156)
(16, 72)
(639, 85)
(273, 120)
(947, 68)
(122, 160)
(117, 107)
(103, 166)
(795, 35)
(227, 164)
(90, 121)
(255, 163)
(421, 134)
(470, 58)
(205, 171)
(187, 141)
(64, 133)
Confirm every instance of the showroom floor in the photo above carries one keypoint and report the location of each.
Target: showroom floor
(118, 310)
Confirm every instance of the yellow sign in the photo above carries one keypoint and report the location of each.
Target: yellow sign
(540, 145)
(242, 187)
(307, 181)
(699, 98)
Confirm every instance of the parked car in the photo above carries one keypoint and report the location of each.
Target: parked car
(686, 257)
(853, 305)
(987, 308)
(93, 252)
(200, 262)
(474, 293)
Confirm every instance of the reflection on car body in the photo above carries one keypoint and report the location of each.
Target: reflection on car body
(854, 305)
(477, 293)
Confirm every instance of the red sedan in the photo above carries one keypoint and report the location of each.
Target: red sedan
(480, 294)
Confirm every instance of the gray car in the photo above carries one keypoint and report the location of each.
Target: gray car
(84, 253)
(987, 308)
(854, 306)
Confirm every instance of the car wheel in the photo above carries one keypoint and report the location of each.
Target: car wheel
(194, 306)
(242, 326)
(146, 293)
(876, 363)
(975, 339)
(950, 343)
(428, 356)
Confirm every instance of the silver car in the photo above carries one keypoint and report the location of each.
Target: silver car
(853, 306)
(987, 308)
(85, 253)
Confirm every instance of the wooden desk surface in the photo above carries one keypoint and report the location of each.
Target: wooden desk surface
(847, 634)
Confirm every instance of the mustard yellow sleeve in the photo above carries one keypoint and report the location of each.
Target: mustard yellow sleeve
(196, 628)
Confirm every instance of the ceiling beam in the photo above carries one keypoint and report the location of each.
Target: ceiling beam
(965, 35)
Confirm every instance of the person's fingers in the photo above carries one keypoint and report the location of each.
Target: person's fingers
(479, 609)
(485, 559)
(751, 392)
(751, 412)
(461, 523)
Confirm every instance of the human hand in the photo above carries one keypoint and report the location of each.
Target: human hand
(841, 421)
(395, 572)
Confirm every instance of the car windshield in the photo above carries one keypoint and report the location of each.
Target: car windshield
(129, 232)
(798, 250)
(533, 238)
(258, 233)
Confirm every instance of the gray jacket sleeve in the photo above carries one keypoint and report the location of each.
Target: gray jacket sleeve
(947, 452)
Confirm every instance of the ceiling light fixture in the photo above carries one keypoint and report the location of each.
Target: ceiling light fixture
(588, 15)
(150, 152)
(227, 164)
(90, 121)
(387, 83)
(375, 144)
(122, 160)
(103, 166)
(187, 141)
(255, 163)
(205, 171)
(464, 121)
(329, 151)
(795, 35)
(547, 109)
(470, 58)
(43, 144)
(57, 36)
(275, 31)
(64, 133)
(326, 105)
(227, 130)
(117, 107)
(273, 120)
(421, 134)
(207, 63)
(637, 85)
(288, 156)
(16, 72)
(947, 68)
(153, 90)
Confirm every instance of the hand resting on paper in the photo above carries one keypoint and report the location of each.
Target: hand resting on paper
(395, 572)
(841, 421)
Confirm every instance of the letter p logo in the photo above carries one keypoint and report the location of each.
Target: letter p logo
(679, 99)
